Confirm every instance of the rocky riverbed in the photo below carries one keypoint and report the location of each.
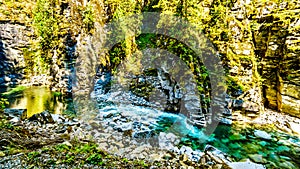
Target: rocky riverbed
(45, 139)
(262, 145)
(130, 127)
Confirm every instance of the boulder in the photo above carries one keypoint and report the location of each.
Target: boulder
(237, 104)
(186, 150)
(14, 120)
(58, 118)
(43, 117)
(227, 120)
(251, 106)
(262, 134)
(295, 127)
(250, 101)
(246, 165)
(257, 158)
(216, 154)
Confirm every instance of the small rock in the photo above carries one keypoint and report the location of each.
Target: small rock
(257, 158)
(172, 137)
(287, 165)
(126, 126)
(245, 165)
(295, 127)
(20, 113)
(155, 157)
(186, 150)
(15, 120)
(226, 121)
(57, 118)
(262, 134)
(7, 79)
(217, 153)
(67, 143)
(184, 158)
(103, 145)
(108, 115)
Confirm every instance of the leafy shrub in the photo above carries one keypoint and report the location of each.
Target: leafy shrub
(14, 91)
(95, 159)
(3, 103)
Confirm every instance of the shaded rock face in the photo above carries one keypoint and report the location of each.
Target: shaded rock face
(168, 98)
(14, 42)
(14, 38)
(62, 69)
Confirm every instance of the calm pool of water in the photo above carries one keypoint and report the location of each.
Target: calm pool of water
(36, 100)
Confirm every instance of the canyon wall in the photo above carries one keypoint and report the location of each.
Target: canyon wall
(258, 44)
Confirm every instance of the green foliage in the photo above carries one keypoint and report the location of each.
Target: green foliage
(86, 148)
(69, 159)
(123, 8)
(88, 18)
(4, 124)
(14, 91)
(54, 29)
(57, 94)
(232, 84)
(46, 22)
(16, 11)
(3, 103)
(33, 155)
(143, 41)
(70, 113)
(146, 41)
(140, 163)
(125, 160)
(61, 147)
(95, 159)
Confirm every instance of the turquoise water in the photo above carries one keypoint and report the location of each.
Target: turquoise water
(239, 141)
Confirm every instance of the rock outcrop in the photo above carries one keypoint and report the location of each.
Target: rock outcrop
(14, 39)
(277, 45)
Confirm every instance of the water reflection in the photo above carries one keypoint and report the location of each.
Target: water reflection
(38, 99)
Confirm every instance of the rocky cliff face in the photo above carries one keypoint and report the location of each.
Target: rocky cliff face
(260, 47)
(14, 43)
(264, 50)
(14, 38)
(277, 48)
